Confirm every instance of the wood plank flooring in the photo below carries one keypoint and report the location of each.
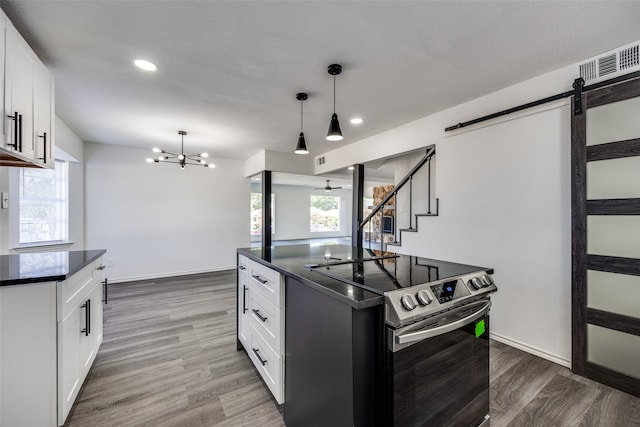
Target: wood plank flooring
(169, 359)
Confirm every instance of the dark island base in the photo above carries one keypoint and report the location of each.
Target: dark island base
(332, 360)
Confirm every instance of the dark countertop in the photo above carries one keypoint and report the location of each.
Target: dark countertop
(35, 267)
(333, 273)
(291, 260)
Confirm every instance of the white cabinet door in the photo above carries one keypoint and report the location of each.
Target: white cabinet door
(79, 332)
(244, 304)
(44, 116)
(69, 365)
(20, 68)
(91, 336)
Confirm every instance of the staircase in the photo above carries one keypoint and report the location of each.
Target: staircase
(405, 188)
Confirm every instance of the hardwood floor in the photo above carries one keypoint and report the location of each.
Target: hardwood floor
(529, 391)
(169, 359)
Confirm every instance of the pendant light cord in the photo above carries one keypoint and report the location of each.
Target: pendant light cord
(301, 115)
(334, 94)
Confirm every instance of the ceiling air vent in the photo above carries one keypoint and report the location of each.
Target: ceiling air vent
(607, 64)
(611, 64)
(630, 57)
(588, 70)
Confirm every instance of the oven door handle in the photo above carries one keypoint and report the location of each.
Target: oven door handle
(412, 337)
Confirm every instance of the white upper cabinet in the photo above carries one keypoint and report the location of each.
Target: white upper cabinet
(44, 116)
(20, 64)
(27, 126)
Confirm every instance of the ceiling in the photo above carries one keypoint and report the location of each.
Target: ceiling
(228, 71)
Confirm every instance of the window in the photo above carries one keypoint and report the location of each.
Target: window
(44, 204)
(325, 213)
(256, 214)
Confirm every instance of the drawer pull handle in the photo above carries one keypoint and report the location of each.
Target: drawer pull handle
(45, 148)
(244, 299)
(260, 279)
(255, 350)
(15, 144)
(20, 132)
(242, 267)
(105, 284)
(102, 267)
(87, 317)
(257, 313)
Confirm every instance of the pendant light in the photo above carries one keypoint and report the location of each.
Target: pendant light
(334, 133)
(301, 148)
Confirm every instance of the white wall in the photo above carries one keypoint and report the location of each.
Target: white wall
(157, 220)
(278, 161)
(292, 212)
(504, 190)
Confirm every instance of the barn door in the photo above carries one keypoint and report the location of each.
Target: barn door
(605, 156)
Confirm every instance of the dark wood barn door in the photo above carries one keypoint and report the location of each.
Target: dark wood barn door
(605, 156)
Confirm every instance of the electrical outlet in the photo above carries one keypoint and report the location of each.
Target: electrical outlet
(110, 262)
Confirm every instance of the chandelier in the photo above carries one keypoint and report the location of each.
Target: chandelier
(181, 158)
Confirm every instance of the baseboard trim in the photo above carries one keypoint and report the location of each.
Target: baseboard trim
(165, 275)
(532, 350)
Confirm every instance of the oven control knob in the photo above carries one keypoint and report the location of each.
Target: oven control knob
(408, 302)
(475, 283)
(487, 280)
(423, 297)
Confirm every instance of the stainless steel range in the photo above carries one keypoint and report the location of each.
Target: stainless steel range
(437, 336)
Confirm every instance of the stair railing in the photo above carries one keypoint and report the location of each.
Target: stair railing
(408, 178)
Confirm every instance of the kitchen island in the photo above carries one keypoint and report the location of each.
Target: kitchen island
(50, 332)
(333, 333)
(354, 337)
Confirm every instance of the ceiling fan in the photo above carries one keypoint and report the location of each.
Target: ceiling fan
(327, 187)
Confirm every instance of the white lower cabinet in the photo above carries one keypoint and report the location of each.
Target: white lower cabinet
(69, 380)
(244, 301)
(45, 350)
(261, 321)
(268, 321)
(79, 337)
(269, 363)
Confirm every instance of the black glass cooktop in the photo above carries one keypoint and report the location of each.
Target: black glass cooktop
(384, 274)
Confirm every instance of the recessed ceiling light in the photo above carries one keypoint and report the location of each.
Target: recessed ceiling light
(356, 121)
(350, 168)
(143, 64)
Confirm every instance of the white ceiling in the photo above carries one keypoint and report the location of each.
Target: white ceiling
(228, 71)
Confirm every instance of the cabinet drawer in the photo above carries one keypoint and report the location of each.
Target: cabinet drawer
(74, 290)
(268, 282)
(268, 363)
(243, 265)
(268, 321)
